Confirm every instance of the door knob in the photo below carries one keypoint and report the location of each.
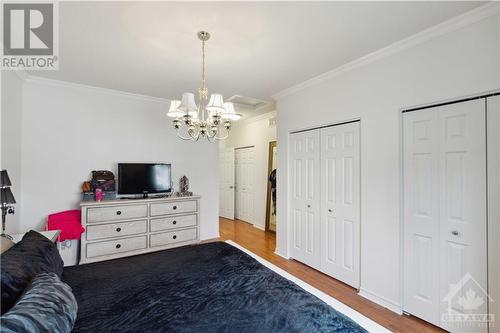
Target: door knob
(330, 211)
(231, 187)
(455, 233)
(308, 206)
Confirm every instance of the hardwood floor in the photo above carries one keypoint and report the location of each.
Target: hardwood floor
(263, 244)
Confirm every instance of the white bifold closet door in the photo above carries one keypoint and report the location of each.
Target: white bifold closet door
(340, 202)
(325, 200)
(305, 198)
(445, 247)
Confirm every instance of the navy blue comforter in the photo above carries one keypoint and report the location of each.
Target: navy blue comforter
(210, 287)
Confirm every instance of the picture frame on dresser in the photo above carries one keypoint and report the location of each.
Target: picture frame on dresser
(122, 228)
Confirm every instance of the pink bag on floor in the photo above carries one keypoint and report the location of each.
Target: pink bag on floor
(69, 222)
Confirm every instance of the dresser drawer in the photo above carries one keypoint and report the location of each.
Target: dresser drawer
(172, 222)
(116, 246)
(172, 237)
(173, 207)
(104, 214)
(117, 229)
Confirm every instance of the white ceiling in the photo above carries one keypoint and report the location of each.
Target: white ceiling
(257, 48)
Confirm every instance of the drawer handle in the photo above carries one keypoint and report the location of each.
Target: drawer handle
(118, 246)
(174, 222)
(119, 212)
(118, 229)
(175, 207)
(174, 237)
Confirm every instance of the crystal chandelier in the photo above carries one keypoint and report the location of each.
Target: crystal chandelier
(211, 118)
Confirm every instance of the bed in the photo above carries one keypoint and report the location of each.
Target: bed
(213, 287)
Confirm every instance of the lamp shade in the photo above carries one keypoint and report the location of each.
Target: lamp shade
(215, 104)
(174, 111)
(6, 196)
(188, 104)
(229, 112)
(4, 179)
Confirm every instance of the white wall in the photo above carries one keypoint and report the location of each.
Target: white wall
(454, 63)
(11, 118)
(256, 132)
(69, 130)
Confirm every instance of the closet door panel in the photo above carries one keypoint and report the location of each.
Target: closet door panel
(462, 160)
(421, 214)
(305, 155)
(445, 268)
(340, 197)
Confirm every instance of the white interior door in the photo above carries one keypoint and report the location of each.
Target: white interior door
(463, 241)
(445, 214)
(244, 166)
(340, 202)
(421, 215)
(305, 196)
(226, 183)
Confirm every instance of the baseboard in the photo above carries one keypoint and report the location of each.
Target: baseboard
(259, 227)
(388, 304)
(281, 253)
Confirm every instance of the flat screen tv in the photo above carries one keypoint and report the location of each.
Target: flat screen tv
(144, 178)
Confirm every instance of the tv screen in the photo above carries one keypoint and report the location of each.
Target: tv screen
(144, 178)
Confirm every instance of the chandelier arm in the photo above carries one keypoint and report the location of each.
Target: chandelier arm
(183, 138)
(223, 137)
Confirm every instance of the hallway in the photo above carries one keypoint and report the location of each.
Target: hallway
(263, 244)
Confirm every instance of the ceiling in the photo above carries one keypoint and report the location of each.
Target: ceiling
(257, 48)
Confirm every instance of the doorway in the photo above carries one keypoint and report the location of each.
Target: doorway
(271, 189)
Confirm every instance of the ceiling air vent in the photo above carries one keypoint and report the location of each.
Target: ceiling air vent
(247, 102)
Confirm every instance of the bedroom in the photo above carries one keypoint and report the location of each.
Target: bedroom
(371, 76)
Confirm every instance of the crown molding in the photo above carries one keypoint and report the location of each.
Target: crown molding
(463, 20)
(60, 83)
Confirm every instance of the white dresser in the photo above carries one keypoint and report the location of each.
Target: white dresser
(121, 228)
